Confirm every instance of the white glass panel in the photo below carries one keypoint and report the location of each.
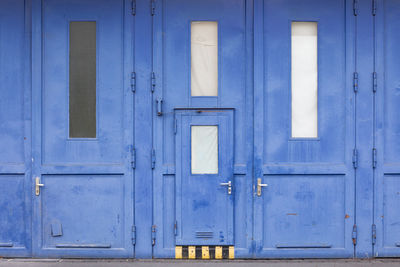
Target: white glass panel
(304, 80)
(204, 58)
(204, 149)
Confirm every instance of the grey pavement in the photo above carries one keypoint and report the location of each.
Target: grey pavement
(195, 263)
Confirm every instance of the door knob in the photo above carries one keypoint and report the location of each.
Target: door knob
(38, 185)
(229, 185)
(260, 186)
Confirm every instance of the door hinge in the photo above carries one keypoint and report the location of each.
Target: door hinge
(176, 228)
(153, 235)
(355, 158)
(153, 158)
(175, 126)
(354, 235)
(153, 7)
(373, 7)
(355, 82)
(133, 157)
(355, 7)
(159, 106)
(375, 82)
(153, 82)
(133, 81)
(373, 234)
(133, 7)
(374, 158)
(133, 235)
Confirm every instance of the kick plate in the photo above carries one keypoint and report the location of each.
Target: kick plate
(205, 252)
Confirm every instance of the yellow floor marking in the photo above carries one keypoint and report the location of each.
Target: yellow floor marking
(205, 252)
(231, 252)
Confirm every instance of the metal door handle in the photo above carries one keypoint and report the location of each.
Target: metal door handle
(229, 185)
(38, 185)
(260, 186)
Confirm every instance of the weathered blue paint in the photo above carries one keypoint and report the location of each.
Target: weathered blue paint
(97, 203)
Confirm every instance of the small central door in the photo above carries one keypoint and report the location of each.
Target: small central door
(204, 185)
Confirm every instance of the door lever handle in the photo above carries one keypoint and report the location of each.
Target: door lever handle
(260, 186)
(229, 185)
(38, 185)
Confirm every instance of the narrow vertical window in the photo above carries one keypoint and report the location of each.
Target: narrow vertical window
(204, 58)
(204, 156)
(82, 79)
(304, 80)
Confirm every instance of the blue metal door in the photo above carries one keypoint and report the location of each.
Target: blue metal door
(15, 137)
(204, 186)
(201, 45)
(304, 183)
(83, 113)
(386, 157)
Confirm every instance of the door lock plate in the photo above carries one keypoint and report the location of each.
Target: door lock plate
(260, 185)
(38, 185)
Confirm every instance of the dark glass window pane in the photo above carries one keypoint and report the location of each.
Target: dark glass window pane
(82, 79)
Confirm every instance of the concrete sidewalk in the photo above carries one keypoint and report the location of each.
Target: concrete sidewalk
(194, 263)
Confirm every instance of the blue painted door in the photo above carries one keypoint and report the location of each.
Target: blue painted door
(204, 186)
(182, 200)
(307, 209)
(83, 113)
(386, 163)
(15, 137)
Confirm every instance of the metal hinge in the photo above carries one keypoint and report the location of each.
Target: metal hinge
(153, 234)
(153, 158)
(133, 157)
(133, 235)
(373, 7)
(133, 81)
(133, 7)
(153, 81)
(355, 82)
(355, 158)
(375, 82)
(355, 7)
(374, 158)
(153, 7)
(354, 235)
(175, 126)
(159, 106)
(176, 228)
(373, 234)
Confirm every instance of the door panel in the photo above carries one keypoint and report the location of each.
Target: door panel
(15, 204)
(307, 209)
(85, 208)
(204, 201)
(222, 32)
(387, 129)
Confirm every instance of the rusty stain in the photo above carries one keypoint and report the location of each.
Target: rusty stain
(347, 216)
(382, 216)
(295, 214)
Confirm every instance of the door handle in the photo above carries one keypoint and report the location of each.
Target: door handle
(229, 185)
(260, 186)
(38, 185)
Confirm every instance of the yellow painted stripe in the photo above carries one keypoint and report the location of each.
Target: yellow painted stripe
(192, 252)
(205, 253)
(231, 252)
(218, 253)
(178, 252)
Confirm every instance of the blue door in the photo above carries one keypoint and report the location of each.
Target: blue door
(83, 113)
(201, 88)
(204, 177)
(304, 175)
(386, 157)
(15, 137)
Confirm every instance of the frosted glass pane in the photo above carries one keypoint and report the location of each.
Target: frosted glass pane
(204, 58)
(204, 149)
(304, 80)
